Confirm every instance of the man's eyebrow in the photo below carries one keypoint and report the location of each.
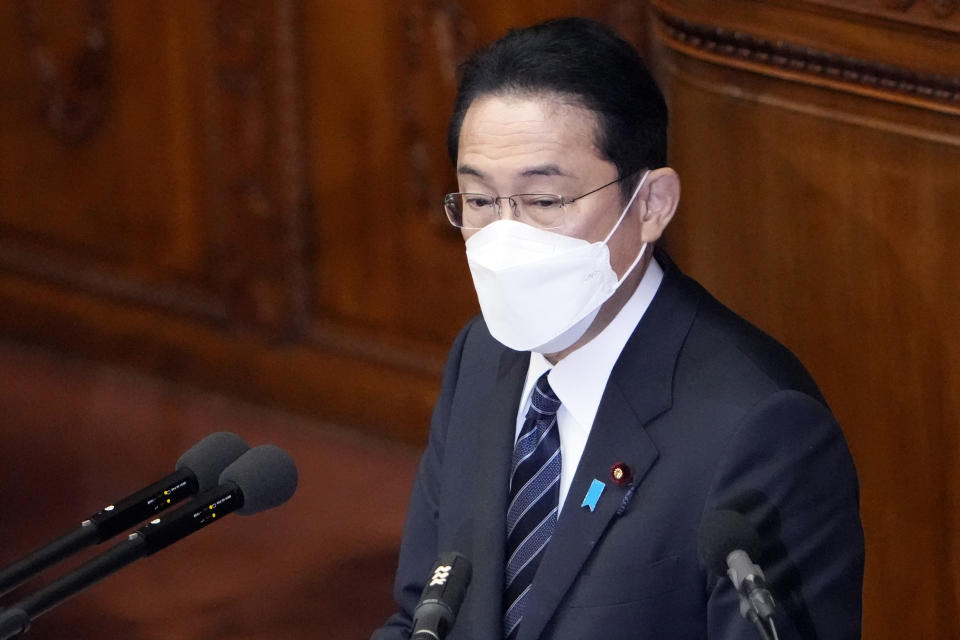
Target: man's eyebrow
(467, 170)
(543, 170)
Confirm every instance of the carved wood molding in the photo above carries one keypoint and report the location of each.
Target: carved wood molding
(74, 96)
(255, 125)
(938, 14)
(437, 37)
(938, 8)
(257, 194)
(294, 196)
(185, 300)
(74, 103)
(796, 62)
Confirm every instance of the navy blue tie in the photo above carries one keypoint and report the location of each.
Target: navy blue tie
(534, 495)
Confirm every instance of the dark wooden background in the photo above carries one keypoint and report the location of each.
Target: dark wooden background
(225, 214)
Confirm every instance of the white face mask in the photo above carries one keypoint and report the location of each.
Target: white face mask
(540, 290)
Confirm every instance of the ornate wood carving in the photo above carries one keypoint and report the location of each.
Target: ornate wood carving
(74, 100)
(437, 37)
(939, 14)
(185, 299)
(254, 167)
(256, 128)
(902, 5)
(73, 96)
(932, 90)
(294, 196)
(939, 8)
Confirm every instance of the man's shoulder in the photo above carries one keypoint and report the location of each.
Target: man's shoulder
(726, 352)
(742, 351)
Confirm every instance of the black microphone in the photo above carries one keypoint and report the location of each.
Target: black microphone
(262, 478)
(196, 470)
(442, 596)
(725, 543)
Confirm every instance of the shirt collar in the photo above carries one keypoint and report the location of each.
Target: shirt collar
(580, 378)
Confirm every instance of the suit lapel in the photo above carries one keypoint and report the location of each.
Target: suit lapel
(640, 388)
(494, 427)
(579, 528)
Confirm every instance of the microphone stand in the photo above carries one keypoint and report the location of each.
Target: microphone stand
(748, 611)
(16, 620)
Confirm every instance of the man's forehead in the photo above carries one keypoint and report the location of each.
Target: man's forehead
(492, 113)
(527, 136)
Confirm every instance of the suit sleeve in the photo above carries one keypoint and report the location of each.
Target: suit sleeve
(418, 550)
(788, 469)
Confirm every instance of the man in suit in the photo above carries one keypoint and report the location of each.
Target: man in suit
(605, 405)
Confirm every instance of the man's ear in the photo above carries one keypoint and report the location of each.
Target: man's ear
(658, 202)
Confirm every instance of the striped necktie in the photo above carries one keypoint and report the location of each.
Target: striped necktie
(534, 492)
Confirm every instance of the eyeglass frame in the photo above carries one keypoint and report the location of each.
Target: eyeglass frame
(513, 204)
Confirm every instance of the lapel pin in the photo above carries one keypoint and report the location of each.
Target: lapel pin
(621, 473)
(593, 494)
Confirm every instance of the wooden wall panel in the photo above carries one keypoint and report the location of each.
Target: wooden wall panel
(103, 197)
(173, 232)
(823, 204)
(243, 196)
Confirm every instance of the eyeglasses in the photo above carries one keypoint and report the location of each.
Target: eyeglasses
(543, 210)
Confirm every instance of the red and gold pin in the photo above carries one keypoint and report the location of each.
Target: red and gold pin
(621, 473)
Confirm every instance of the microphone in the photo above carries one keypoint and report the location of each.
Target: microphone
(262, 478)
(442, 596)
(725, 543)
(196, 470)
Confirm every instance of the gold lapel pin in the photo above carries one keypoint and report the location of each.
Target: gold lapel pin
(621, 473)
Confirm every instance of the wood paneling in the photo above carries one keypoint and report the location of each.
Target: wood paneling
(822, 204)
(179, 232)
(111, 208)
(243, 195)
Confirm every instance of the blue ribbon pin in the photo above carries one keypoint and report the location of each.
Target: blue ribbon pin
(593, 494)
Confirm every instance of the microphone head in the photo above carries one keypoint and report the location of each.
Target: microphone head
(442, 596)
(208, 458)
(724, 531)
(449, 579)
(266, 475)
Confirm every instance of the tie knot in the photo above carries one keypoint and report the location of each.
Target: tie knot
(544, 400)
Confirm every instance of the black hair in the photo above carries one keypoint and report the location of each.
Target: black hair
(579, 60)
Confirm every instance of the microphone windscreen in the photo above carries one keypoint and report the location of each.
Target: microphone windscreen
(266, 475)
(208, 458)
(724, 531)
(457, 579)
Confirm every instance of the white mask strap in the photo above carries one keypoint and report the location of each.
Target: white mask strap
(627, 208)
(643, 249)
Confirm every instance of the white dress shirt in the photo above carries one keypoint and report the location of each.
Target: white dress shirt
(580, 378)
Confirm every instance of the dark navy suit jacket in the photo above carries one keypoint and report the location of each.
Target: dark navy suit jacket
(709, 413)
